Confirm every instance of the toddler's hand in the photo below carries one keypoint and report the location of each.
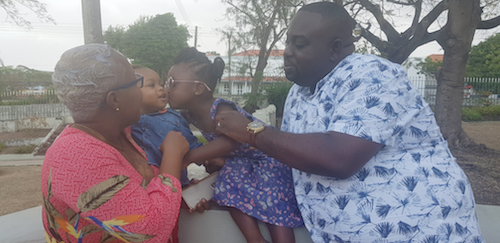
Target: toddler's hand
(175, 143)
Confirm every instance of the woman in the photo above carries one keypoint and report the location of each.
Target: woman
(96, 182)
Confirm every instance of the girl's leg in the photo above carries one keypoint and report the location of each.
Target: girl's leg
(248, 226)
(281, 234)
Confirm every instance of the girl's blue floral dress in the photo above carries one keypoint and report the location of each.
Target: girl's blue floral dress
(255, 183)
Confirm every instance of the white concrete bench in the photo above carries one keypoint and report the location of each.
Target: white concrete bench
(213, 226)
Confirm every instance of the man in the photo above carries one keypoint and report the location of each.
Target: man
(370, 164)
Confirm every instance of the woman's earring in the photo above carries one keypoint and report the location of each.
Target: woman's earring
(117, 109)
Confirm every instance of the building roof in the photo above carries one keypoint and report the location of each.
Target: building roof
(436, 57)
(264, 79)
(256, 53)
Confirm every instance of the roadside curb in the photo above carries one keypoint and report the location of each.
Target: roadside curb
(20, 159)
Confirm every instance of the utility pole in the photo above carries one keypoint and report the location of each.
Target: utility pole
(92, 28)
(196, 37)
(229, 53)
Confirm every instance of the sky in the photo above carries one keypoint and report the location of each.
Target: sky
(41, 46)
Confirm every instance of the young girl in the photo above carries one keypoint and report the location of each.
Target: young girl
(156, 120)
(252, 185)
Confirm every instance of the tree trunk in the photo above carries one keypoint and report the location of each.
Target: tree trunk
(456, 39)
(259, 72)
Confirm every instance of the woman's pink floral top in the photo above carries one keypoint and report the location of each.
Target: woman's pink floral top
(92, 194)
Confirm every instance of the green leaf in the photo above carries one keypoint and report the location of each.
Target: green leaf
(70, 215)
(134, 237)
(152, 41)
(51, 211)
(49, 185)
(168, 182)
(484, 58)
(90, 229)
(101, 193)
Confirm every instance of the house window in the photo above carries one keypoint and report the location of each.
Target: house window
(239, 88)
(225, 88)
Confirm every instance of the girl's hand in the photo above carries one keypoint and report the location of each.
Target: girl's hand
(201, 206)
(213, 165)
(232, 124)
(174, 143)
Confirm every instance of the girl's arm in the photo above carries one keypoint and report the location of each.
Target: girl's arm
(219, 147)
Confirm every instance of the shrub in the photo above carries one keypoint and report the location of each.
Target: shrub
(253, 101)
(2, 146)
(202, 139)
(276, 94)
(485, 93)
(481, 113)
(470, 114)
(25, 149)
(489, 110)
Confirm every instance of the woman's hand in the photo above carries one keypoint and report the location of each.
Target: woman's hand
(174, 143)
(232, 124)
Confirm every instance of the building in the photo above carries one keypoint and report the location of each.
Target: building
(237, 77)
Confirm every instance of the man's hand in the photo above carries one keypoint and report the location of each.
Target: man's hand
(232, 124)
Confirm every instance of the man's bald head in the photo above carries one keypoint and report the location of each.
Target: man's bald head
(333, 13)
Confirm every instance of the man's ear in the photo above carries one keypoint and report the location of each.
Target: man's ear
(336, 47)
(113, 100)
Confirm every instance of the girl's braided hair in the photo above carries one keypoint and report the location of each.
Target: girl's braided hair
(208, 72)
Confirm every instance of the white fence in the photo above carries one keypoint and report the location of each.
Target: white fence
(477, 92)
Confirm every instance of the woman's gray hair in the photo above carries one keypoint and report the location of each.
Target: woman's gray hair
(82, 78)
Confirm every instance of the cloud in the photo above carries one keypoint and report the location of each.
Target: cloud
(41, 47)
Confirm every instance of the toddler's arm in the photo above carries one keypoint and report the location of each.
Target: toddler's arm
(173, 147)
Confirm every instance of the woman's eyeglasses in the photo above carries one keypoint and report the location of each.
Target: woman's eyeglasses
(139, 81)
(171, 82)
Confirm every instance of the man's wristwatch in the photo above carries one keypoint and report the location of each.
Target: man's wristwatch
(254, 128)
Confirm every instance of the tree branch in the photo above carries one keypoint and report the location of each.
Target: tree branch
(391, 33)
(424, 24)
(260, 14)
(409, 3)
(429, 37)
(374, 40)
(489, 24)
(434, 14)
(252, 18)
(277, 37)
(416, 18)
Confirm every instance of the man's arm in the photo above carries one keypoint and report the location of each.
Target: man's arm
(331, 154)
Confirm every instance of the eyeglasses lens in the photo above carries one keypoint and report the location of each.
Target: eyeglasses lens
(140, 80)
